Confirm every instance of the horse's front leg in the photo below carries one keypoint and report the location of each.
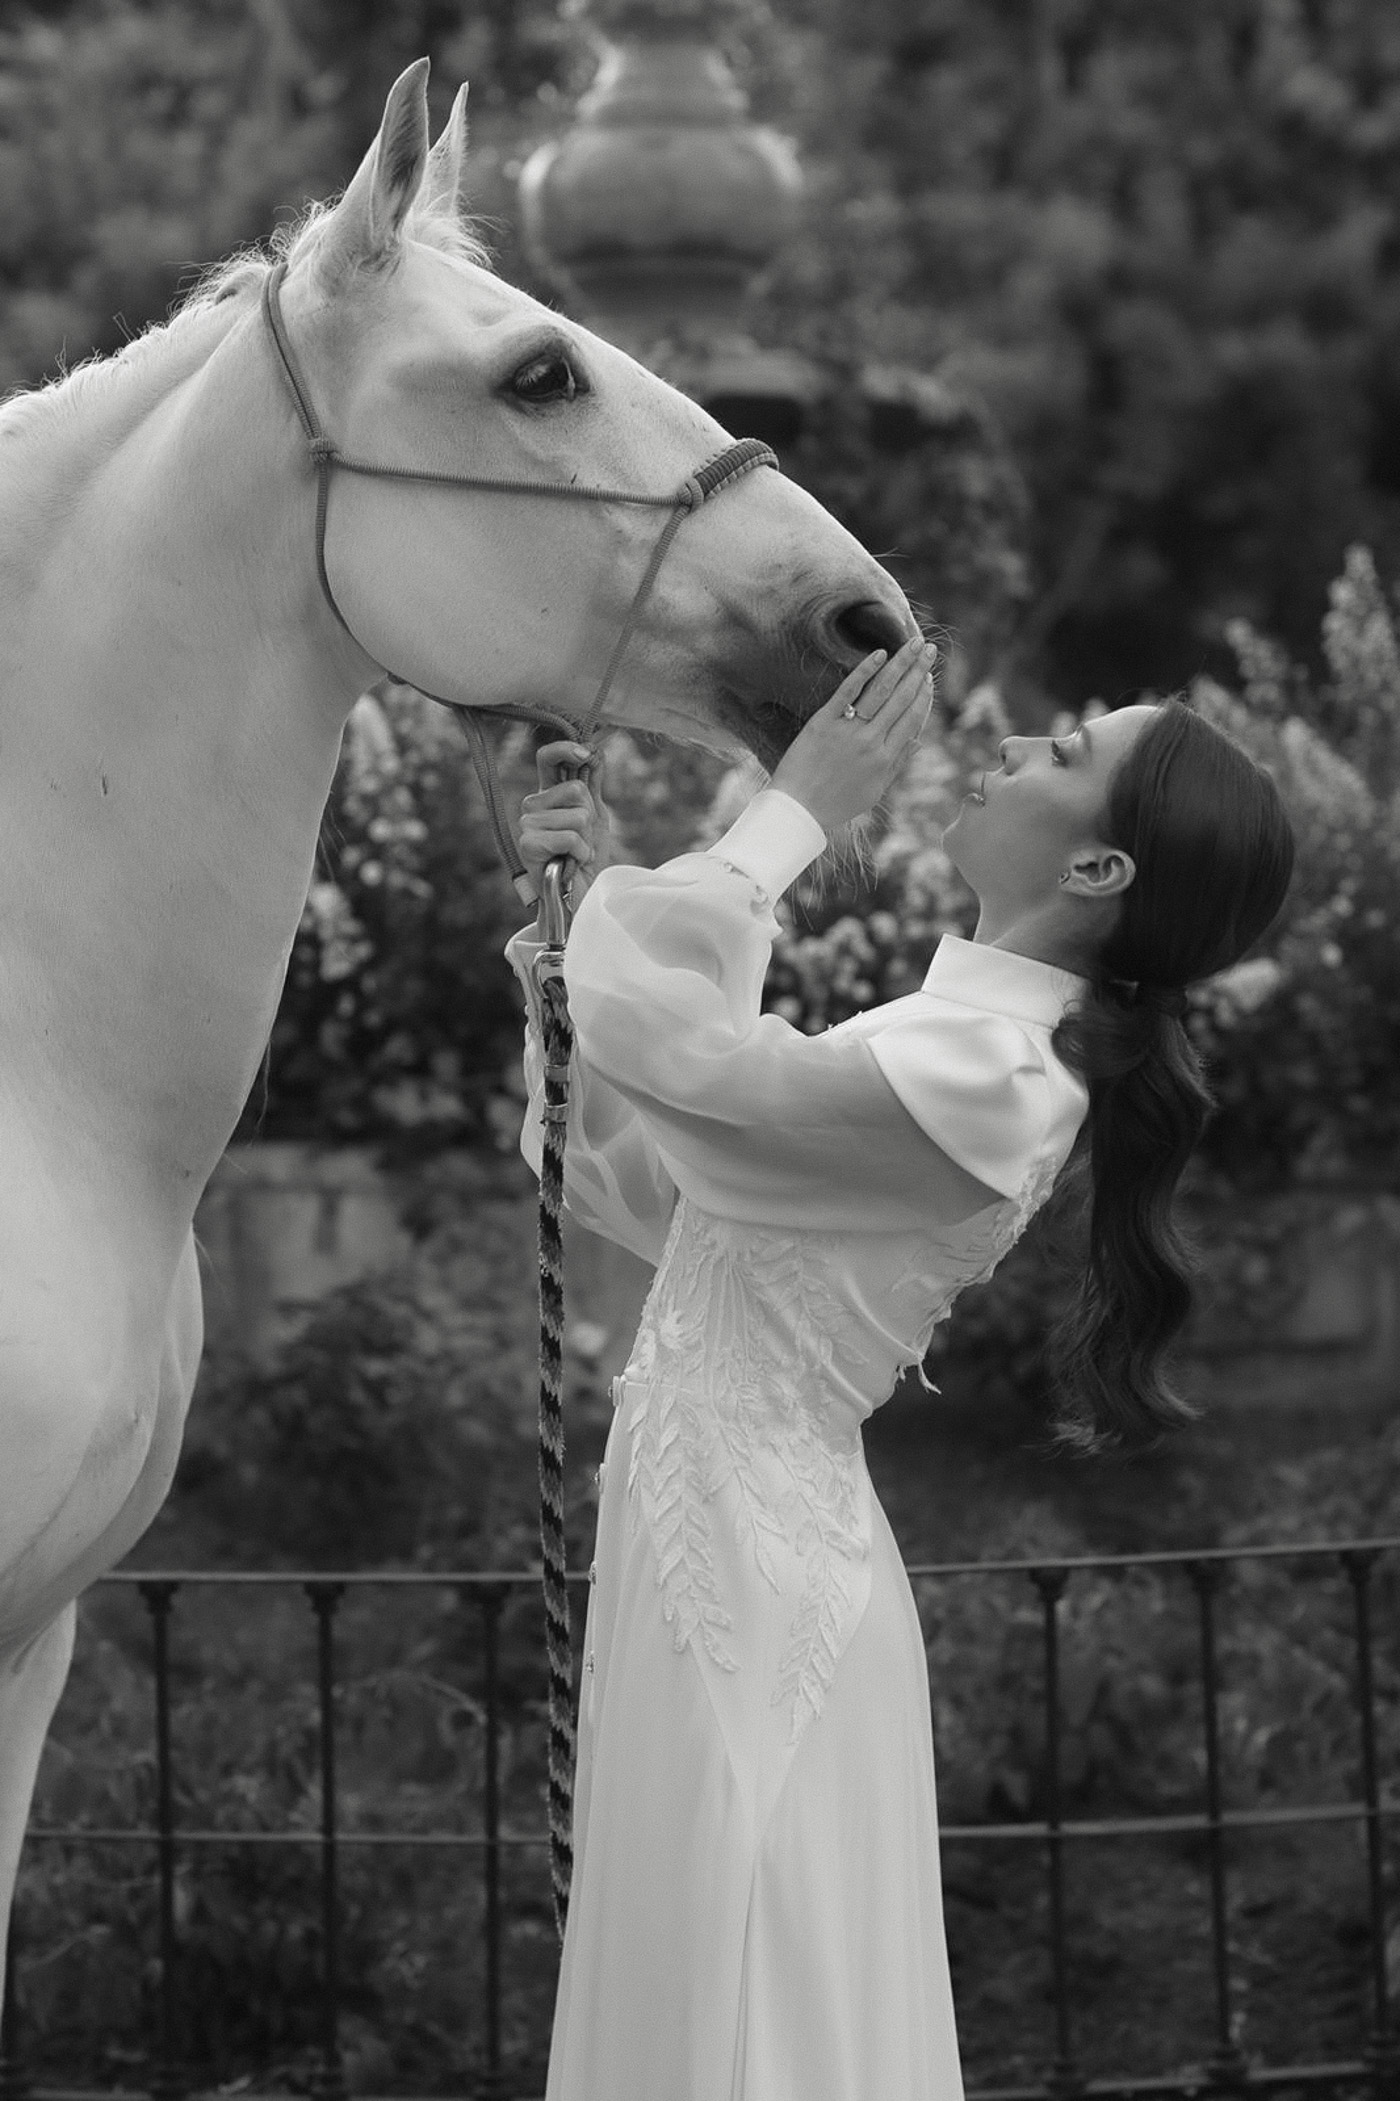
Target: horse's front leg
(32, 1677)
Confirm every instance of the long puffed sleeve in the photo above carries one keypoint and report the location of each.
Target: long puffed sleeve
(755, 1120)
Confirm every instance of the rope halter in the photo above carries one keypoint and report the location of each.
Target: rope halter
(721, 472)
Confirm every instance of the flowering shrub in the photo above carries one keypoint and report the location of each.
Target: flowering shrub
(400, 1015)
(1303, 1040)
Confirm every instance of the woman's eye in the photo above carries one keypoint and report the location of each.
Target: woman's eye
(549, 377)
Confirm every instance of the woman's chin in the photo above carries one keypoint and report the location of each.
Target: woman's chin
(952, 833)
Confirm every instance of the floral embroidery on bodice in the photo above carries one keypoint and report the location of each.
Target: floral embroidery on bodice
(759, 1354)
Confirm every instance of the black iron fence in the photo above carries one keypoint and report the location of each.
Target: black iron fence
(1046, 1826)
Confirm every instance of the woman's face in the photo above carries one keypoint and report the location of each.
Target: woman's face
(1038, 814)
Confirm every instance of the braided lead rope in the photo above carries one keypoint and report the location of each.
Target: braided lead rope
(558, 1038)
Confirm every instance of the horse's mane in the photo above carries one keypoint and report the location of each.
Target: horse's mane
(221, 285)
(434, 225)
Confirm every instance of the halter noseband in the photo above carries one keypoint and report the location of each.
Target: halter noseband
(726, 467)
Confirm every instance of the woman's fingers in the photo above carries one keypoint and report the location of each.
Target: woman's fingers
(906, 669)
(854, 684)
(906, 711)
(544, 842)
(563, 795)
(550, 758)
(572, 846)
(865, 694)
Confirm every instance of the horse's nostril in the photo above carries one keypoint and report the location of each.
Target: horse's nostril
(866, 626)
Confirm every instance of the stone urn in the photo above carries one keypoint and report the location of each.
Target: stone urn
(662, 201)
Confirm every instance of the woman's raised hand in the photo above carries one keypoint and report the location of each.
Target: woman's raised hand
(846, 755)
(561, 817)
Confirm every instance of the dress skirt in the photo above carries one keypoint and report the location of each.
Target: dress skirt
(752, 1918)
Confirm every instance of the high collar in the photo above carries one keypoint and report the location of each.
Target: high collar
(1001, 982)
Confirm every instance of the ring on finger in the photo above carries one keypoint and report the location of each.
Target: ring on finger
(850, 713)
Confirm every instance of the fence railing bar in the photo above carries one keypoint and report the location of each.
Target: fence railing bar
(1383, 2046)
(346, 1578)
(328, 2081)
(1226, 2066)
(167, 2084)
(1165, 1557)
(1193, 1822)
(1064, 2077)
(1187, 2085)
(1180, 2086)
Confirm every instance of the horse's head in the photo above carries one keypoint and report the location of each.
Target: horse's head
(417, 356)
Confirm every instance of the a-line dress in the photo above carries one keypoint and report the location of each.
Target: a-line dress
(756, 1910)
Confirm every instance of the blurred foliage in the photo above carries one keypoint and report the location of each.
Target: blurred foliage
(1160, 245)
(400, 1018)
(408, 1400)
(1304, 1040)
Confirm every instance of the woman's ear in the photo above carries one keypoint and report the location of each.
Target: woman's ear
(1099, 872)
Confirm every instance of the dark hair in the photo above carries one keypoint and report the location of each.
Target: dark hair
(1213, 849)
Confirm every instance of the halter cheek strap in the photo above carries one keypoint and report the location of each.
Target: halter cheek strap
(727, 467)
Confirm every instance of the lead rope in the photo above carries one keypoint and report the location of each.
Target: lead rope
(557, 1038)
(556, 1029)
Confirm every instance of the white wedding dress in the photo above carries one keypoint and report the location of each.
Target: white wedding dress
(756, 1910)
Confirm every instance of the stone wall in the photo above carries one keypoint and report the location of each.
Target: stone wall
(279, 1227)
(1299, 1303)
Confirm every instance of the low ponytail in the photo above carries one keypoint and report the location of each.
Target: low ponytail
(1148, 1103)
(1212, 849)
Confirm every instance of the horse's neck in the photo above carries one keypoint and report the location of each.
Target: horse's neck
(171, 702)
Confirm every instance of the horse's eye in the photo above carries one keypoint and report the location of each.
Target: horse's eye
(549, 377)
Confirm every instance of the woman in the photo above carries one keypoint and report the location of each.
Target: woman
(756, 1910)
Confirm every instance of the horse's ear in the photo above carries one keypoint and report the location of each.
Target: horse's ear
(367, 225)
(447, 163)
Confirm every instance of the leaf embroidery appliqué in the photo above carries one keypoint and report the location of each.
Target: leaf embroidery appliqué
(734, 1358)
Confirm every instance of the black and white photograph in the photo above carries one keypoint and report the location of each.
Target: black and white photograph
(700, 1050)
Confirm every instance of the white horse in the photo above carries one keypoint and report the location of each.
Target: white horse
(173, 689)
